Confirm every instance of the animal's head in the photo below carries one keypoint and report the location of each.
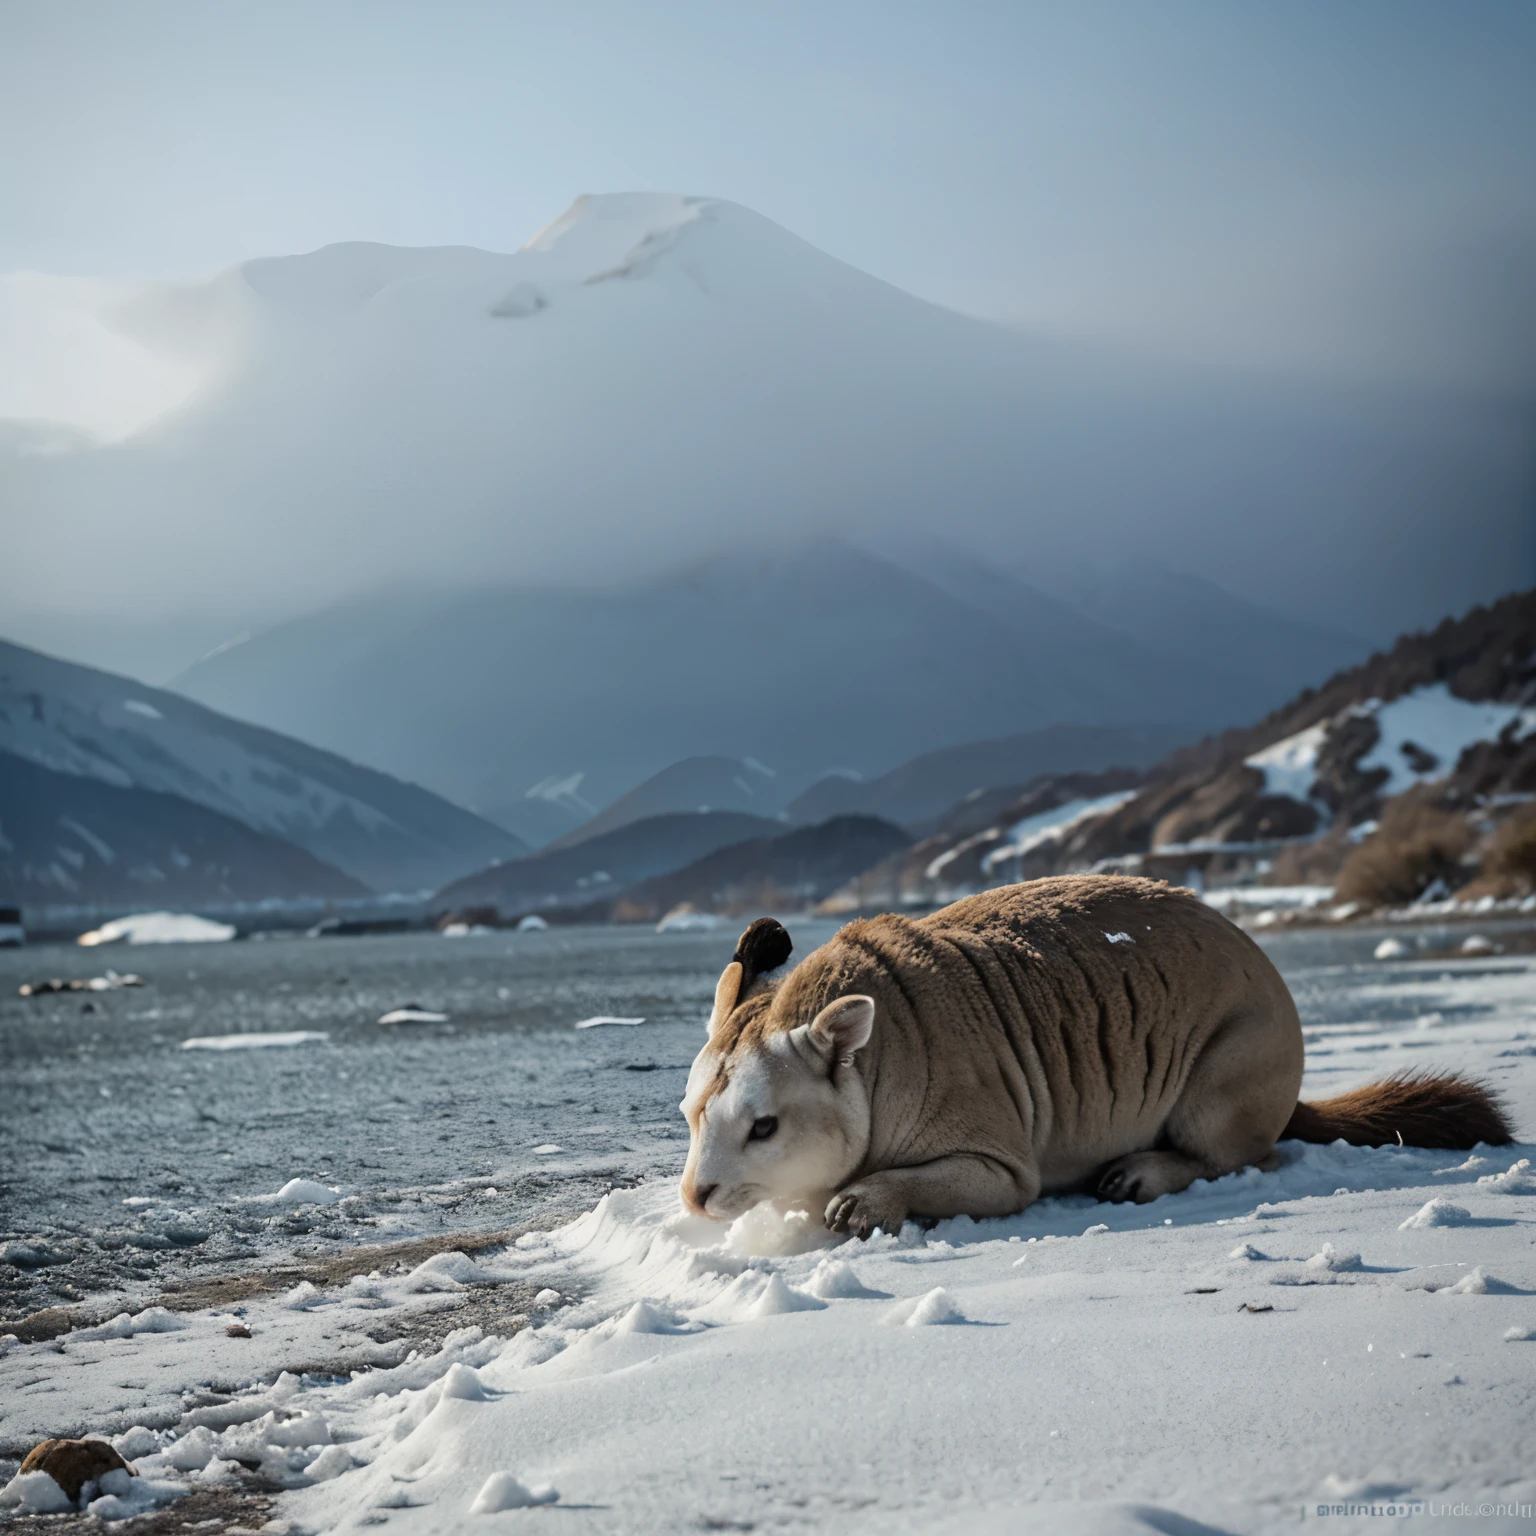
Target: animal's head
(776, 1107)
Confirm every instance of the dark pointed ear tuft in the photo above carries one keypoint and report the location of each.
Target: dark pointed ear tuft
(765, 946)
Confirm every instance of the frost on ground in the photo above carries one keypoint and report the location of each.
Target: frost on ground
(1221, 1359)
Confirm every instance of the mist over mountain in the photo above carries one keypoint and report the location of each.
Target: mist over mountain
(654, 378)
(538, 707)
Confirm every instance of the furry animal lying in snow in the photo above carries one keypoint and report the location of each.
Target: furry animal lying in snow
(1091, 1032)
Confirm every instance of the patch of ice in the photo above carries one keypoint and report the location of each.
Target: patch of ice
(1119, 938)
(1437, 1213)
(501, 1490)
(413, 1015)
(158, 928)
(605, 1018)
(256, 1040)
(547, 1150)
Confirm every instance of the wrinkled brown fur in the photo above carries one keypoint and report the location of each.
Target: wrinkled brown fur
(1413, 1109)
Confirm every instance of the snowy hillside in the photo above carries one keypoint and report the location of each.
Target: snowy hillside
(92, 728)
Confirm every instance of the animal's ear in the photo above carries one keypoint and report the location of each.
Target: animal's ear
(845, 1026)
(765, 946)
(728, 992)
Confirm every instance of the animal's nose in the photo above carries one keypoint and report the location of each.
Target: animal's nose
(697, 1197)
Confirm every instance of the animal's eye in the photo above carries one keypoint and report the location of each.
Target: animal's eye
(764, 1127)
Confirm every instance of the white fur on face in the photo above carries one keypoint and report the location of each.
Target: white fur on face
(823, 1127)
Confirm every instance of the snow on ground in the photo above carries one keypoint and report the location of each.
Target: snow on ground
(1050, 826)
(1290, 766)
(1355, 1329)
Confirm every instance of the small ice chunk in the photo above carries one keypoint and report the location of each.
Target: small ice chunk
(547, 1150)
(1390, 949)
(501, 1490)
(1519, 1335)
(1437, 1213)
(135, 1442)
(546, 1298)
(1119, 938)
(302, 1297)
(778, 1298)
(1331, 1261)
(301, 1192)
(1478, 944)
(532, 923)
(411, 1014)
(1246, 1251)
(605, 1018)
(446, 1272)
(464, 1382)
(255, 1040)
(1517, 1179)
(124, 1326)
(837, 1280)
(1096, 1229)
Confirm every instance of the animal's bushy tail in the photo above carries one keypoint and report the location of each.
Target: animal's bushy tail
(1412, 1109)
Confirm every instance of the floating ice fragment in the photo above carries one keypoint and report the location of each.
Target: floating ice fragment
(501, 1490)
(1390, 949)
(605, 1018)
(412, 1014)
(1437, 1213)
(257, 1040)
(158, 928)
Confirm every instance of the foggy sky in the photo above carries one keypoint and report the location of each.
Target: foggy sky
(1307, 190)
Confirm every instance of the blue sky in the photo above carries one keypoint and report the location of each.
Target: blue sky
(1301, 185)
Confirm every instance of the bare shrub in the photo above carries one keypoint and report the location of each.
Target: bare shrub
(1511, 859)
(1419, 842)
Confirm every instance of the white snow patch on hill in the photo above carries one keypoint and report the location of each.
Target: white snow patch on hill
(1435, 721)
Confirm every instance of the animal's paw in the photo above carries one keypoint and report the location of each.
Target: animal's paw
(1120, 1182)
(1144, 1176)
(862, 1207)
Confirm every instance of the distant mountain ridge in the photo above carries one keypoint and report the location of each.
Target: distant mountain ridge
(86, 726)
(810, 657)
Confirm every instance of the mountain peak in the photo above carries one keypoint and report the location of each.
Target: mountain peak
(608, 234)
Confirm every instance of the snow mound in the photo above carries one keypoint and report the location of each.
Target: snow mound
(1329, 1261)
(645, 1317)
(1390, 949)
(279, 1040)
(158, 928)
(1477, 1283)
(1478, 944)
(463, 1382)
(777, 1298)
(501, 1490)
(446, 1272)
(1290, 766)
(124, 1326)
(1517, 1179)
(331, 1462)
(837, 1280)
(35, 1493)
(936, 1308)
(1246, 1251)
(1437, 1213)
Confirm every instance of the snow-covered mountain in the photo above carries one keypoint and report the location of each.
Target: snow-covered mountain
(88, 728)
(654, 375)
